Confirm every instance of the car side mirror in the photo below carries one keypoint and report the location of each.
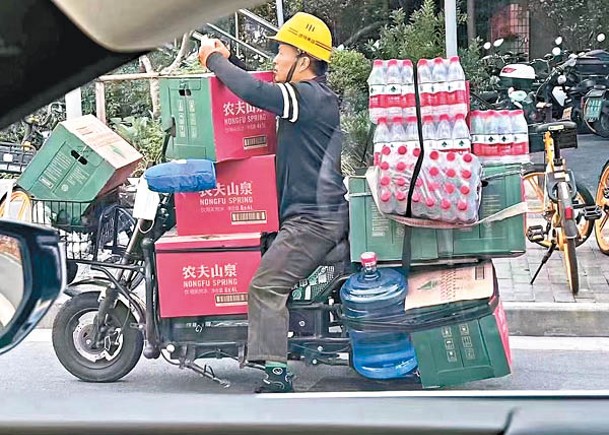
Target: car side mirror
(32, 267)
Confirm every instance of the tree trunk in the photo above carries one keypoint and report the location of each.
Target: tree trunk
(471, 20)
(155, 90)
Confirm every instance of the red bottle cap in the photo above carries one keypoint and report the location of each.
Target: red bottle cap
(430, 202)
(451, 157)
(445, 204)
(466, 174)
(416, 152)
(462, 206)
(451, 173)
(449, 188)
(385, 181)
(418, 183)
(401, 166)
(384, 166)
(386, 196)
(416, 197)
(386, 150)
(444, 118)
(400, 181)
(392, 62)
(378, 62)
(368, 259)
(401, 196)
(402, 149)
(434, 172)
(467, 158)
(465, 190)
(434, 155)
(398, 120)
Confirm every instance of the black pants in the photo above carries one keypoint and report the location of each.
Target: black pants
(302, 244)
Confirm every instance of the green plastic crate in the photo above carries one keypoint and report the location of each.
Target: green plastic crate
(207, 121)
(370, 231)
(462, 352)
(81, 159)
(458, 341)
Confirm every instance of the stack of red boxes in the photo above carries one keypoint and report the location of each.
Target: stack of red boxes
(205, 267)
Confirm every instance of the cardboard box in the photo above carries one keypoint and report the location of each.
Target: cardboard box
(81, 159)
(210, 122)
(468, 338)
(205, 275)
(244, 201)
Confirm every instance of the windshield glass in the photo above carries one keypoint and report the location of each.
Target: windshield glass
(335, 196)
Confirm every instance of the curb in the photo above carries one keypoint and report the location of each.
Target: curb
(558, 319)
(533, 319)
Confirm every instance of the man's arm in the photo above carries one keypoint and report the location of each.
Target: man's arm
(278, 98)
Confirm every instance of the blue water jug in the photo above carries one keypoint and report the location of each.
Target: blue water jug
(378, 296)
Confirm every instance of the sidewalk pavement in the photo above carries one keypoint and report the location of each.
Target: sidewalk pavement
(547, 308)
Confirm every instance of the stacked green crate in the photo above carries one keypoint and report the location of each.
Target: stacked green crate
(370, 231)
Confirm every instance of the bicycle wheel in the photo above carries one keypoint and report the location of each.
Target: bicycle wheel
(565, 244)
(601, 229)
(570, 260)
(533, 181)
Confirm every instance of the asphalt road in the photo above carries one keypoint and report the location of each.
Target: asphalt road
(539, 364)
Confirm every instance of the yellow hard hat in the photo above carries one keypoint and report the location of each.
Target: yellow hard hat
(307, 33)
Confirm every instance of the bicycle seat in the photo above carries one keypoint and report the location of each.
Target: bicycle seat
(556, 126)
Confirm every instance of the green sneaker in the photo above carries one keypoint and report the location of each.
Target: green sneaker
(276, 380)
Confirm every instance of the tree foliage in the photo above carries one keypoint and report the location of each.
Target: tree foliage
(577, 21)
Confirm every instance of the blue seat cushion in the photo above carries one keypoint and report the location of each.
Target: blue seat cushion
(192, 175)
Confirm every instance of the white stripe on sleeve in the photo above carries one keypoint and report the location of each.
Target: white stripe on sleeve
(294, 102)
(286, 100)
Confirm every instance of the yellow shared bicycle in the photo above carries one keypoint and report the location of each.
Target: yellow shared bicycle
(567, 217)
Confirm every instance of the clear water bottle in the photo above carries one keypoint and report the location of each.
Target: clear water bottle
(457, 94)
(461, 136)
(381, 139)
(377, 295)
(520, 130)
(397, 138)
(424, 73)
(393, 89)
(476, 122)
(416, 202)
(409, 101)
(440, 84)
(376, 88)
(504, 129)
(387, 200)
(444, 133)
(401, 199)
(491, 128)
(429, 132)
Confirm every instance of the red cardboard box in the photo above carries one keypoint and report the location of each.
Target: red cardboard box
(208, 121)
(244, 201)
(205, 275)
